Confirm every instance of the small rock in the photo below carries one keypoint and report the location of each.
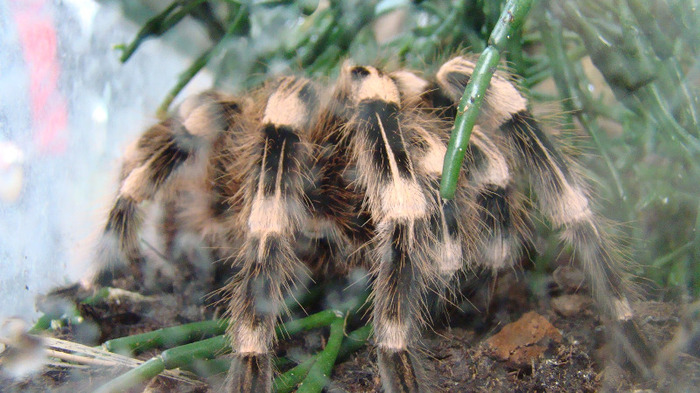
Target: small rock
(522, 342)
(569, 278)
(570, 305)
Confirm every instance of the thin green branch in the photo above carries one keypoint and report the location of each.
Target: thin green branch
(286, 382)
(166, 337)
(662, 44)
(178, 335)
(204, 349)
(356, 340)
(556, 52)
(210, 348)
(652, 99)
(169, 359)
(319, 374)
(351, 343)
(202, 60)
(209, 367)
(663, 261)
(159, 24)
(623, 64)
(292, 377)
(594, 132)
(133, 377)
(577, 101)
(511, 19)
(320, 319)
(69, 317)
(694, 283)
(681, 93)
(42, 324)
(207, 17)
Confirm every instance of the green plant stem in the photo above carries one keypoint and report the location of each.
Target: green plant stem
(651, 98)
(318, 41)
(563, 76)
(343, 33)
(682, 92)
(510, 20)
(662, 262)
(171, 358)
(694, 283)
(100, 295)
(577, 100)
(206, 16)
(594, 132)
(321, 318)
(166, 337)
(354, 341)
(319, 374)
(351, 343)
(209, 348)
(541, 68)
(662, 44)
(44, 322)
(291, 378)
(205, 349)
(202, 61)
(209, 367)
(314, 25)
(133, 377)
(467, 112)
(622, 73)
(160, 23)
(178, 335)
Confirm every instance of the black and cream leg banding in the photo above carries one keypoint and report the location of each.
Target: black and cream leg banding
(149, 168)
(273, 212)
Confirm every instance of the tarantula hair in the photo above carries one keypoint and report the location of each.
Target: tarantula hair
(354, 170)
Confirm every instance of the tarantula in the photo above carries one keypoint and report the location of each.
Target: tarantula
(354, 171)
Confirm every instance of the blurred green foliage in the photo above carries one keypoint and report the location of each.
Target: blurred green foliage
(625, 73)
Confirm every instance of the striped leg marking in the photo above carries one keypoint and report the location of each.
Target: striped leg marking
(397, 202)
(271, 218)
(149, 167)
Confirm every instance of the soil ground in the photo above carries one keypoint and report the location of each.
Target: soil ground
(461, 352)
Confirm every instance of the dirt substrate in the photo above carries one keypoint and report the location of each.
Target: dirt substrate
(514, 342)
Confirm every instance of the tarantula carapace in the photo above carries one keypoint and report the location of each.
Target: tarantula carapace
(355, 170)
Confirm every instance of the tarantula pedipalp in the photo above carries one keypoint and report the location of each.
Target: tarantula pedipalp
(354, 171)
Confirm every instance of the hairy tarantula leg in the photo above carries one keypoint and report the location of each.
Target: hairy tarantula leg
(448, 245)
(398, 306)
(400, 209)
(502, 225)
(562, 197)
(503, 221)
(273, 212)
(148, 167)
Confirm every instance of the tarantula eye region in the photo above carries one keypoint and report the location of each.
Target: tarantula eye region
(368, 83)
(359, 72)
